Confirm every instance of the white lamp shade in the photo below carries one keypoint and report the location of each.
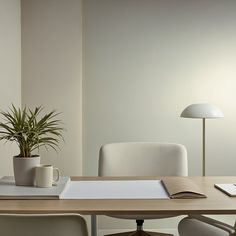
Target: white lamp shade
(202, 110)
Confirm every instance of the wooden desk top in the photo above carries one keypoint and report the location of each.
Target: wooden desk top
(215, 203)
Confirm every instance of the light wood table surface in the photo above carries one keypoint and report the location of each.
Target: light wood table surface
(216, 202)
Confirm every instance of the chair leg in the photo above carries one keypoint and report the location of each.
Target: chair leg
(148, 233)
(122, 234)
(140, 232)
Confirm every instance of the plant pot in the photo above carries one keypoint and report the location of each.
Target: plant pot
(24, 170)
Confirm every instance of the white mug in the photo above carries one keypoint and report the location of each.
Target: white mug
(44, 176)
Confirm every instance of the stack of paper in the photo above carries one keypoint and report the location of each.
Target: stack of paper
(8, 189)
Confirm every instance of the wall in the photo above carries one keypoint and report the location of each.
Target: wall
(52, 71)
(10, 71)
(145, 61)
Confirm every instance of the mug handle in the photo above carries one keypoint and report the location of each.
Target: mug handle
(58, 175)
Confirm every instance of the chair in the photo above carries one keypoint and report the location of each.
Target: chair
(42, 225)
(142, 159)
(204, 226)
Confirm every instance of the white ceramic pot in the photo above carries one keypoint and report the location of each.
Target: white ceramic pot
(24, 170)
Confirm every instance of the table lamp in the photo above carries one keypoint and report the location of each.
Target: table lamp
(202, 111)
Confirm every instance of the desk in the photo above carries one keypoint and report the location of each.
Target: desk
(215, 203)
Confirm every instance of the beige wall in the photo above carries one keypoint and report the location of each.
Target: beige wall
(52, 71)
(10, 70)
(145, 61)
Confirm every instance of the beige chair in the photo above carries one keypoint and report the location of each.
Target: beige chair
(42, 225)
(142, 159)
(204, 226)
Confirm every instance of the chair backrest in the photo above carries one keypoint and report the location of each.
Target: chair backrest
(143, 159)
(204, 226)
(42, 225)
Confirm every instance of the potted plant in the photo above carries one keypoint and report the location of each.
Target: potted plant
(29, 130)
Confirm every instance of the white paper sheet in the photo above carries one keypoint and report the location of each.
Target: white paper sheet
(229, 189)
(116, 189)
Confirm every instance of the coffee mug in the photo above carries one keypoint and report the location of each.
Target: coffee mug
(44, 176)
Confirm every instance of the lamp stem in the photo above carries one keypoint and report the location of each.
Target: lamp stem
(203, 146)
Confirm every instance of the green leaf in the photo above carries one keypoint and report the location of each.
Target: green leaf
(31, 130)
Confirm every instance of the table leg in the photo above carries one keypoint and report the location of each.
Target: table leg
(93, 225)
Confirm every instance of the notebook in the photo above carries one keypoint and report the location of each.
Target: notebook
(183, 188)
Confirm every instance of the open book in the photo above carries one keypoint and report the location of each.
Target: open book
(8, 189)
(183, 188)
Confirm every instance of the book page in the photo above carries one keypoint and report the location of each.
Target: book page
(183, 188)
